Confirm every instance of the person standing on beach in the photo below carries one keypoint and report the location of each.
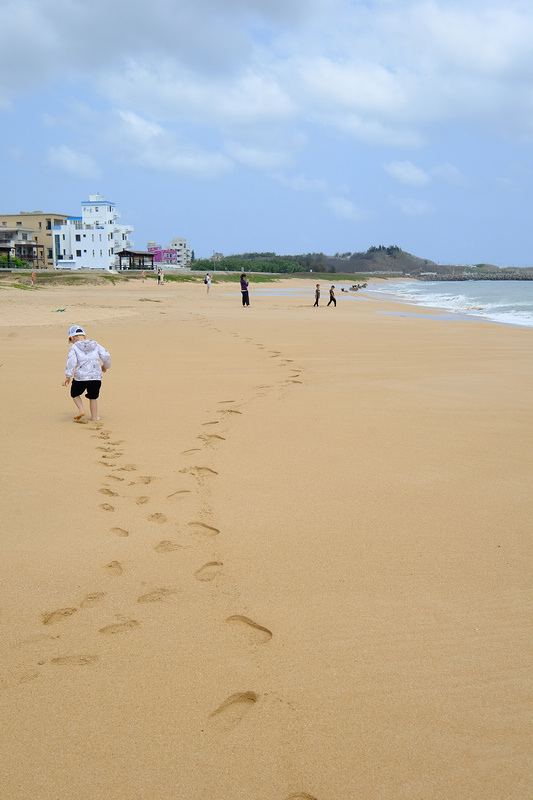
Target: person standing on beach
(33, 277)
(159, 277)
(208, 282)
(317, 295)
(143, 275)
(83, 366)
(244, 290)
(332, 297)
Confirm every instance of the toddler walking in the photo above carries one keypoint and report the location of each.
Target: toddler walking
(83, 366)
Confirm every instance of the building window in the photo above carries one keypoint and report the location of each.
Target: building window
(78, 237)
(50, 254)
(100, 253)
(78, 253)
(96, 208)
(19, 223)
(48, 224)
(63, 237)
(40, 225)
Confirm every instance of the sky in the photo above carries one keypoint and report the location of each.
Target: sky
(289, 126)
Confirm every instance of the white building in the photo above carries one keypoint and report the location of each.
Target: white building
(92, 240)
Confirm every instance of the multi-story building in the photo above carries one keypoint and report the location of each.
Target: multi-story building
(93, 240)
(21, 243)
(177, 254)
(37, 247)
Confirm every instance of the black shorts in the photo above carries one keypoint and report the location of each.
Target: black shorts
(93, 389)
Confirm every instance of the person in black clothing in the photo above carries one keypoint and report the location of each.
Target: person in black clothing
(244, 290)
(317, 295)
(332, 297)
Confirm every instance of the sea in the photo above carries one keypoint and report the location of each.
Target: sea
(506, 302)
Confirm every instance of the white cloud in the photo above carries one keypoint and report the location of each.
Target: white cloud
(449, 174)
(407, 173)
(344, 209)
(411, 206)
(75, 164)
(149, 145)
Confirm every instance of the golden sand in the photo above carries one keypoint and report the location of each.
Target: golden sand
(293, 560)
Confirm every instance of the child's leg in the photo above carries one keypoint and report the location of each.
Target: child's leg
(79, 405)
(93, 404)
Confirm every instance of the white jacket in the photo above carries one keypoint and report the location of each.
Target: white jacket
(84, 361)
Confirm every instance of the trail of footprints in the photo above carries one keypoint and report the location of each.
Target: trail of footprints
(245, 631)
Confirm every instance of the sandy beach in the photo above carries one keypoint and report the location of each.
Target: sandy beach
(291, 562)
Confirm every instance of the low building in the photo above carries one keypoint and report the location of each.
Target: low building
(135, 259)
(21, 243)
(177, 254)
(39, 225)
(93, 240)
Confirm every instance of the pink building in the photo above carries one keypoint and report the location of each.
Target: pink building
(177, 254)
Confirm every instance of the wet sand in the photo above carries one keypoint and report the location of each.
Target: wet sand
(292, 560)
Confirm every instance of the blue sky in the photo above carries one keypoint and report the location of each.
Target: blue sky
(284, 125)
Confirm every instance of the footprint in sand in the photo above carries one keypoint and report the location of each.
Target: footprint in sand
(57, 616)
(301, 796)
(114, 568)
(221, 402)
(179, 495)
(111, 456)
(209, 571)
(91, 600)
(19, 680)
(166, 546)
(228, 715)
(119, 531)
(115, 477)
(157, 595)
(36, 638)
(192, 450)
(106, 507)
(228, 411)
(74, 661)
(144, 479)
(142, 500)
(210, 438)
(127, 468)
(157, 517)
(201, 529)
(108, 492)
(120, 627)
(252, 631)
(215, 422)
(199, 472)
(106, 449)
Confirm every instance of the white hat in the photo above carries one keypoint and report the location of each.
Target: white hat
(75, 330)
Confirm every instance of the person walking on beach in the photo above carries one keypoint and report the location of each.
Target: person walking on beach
(332, 297)
(143, 275)
(33, 277)
(83, 366)
(317, 295)
(244, 290)
(159, 277)
(207, 282)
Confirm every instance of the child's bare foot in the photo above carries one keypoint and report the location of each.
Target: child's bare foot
(80, 415)
(95, 419)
